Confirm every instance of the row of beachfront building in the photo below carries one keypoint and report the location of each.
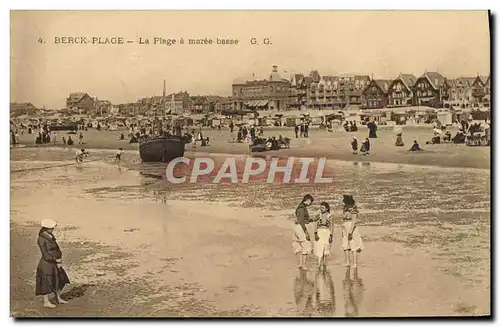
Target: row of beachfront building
(330, 92)
(298, 91)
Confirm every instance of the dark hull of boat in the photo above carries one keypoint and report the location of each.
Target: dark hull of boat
(63, 127)
(161, 149)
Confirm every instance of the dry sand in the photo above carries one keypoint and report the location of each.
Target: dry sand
(332, 145)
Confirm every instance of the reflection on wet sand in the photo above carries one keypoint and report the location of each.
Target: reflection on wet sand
(353, 292)
(315, 297)
(303, 291)
(325, 293)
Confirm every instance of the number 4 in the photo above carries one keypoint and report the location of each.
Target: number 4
(40, 40)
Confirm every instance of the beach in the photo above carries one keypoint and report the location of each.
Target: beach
(320, 144)
(138, 246)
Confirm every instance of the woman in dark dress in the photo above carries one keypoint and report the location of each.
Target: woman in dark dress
(50, 275)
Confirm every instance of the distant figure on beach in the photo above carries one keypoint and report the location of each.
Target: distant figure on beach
(80, 138)
(447, 137)
(354, 145)
(240, 134)
(134, 139)
(399, 136)
(122, 137)
(323, 236)
(436, 139)
(118, 156)
(79, 155)
(231, 126)
(301, 239)
(351, 239)
(296, 131)
(306, 130)
(70, 140)
(354, 128)
(50, 275)
(346, 126)
(415, 147)
(252, 132)
(13, 137)
(64, 140)
(365, 147)
(373, 130)
(399, 140)
(301, 130)
(261, 131)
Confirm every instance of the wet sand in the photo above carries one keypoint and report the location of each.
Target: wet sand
(332, 145)
(150, 256)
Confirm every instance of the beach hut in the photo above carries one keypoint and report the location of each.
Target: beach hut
(480, 114)
(445, 117)
(459, 113)
(425, 114)
(400, 116)
(291, 120)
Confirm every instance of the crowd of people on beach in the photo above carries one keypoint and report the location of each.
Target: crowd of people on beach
(350, 126)
(301, 130)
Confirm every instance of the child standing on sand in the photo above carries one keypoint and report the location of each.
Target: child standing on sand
(301, 240)
(354, 145)
(324, 235)
(118, 156)
(351, 239)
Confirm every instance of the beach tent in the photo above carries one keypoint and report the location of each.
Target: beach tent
(445, 117)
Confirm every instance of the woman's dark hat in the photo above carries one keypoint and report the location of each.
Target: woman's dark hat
(348, 199)
(308, 197)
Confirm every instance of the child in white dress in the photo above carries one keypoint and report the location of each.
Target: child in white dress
(323, 235)
(351, 239)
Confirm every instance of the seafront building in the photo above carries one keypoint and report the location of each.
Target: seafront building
(431, 89)
(286, 99)
(401, 91)
(376, 94)
(272, 93)
(80, 102)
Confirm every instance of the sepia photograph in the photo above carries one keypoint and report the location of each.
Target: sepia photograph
(250, 163)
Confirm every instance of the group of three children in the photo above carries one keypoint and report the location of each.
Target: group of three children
(316, 234)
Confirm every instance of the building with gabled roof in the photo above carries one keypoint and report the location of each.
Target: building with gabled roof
(80, 101)
(376, 94)
(401, 90)
(431, 89)
(460, 92)
(20, 109)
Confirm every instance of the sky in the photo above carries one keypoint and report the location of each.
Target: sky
(382, 43)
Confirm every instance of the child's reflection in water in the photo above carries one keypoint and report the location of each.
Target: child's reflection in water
(315, 297)
(353, 292)
(303, 292)
(325, 294)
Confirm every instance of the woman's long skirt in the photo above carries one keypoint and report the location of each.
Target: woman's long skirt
(322, 246)
(50, 281)
(356, 244)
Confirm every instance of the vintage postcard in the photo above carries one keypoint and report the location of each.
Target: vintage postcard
(250, 163)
